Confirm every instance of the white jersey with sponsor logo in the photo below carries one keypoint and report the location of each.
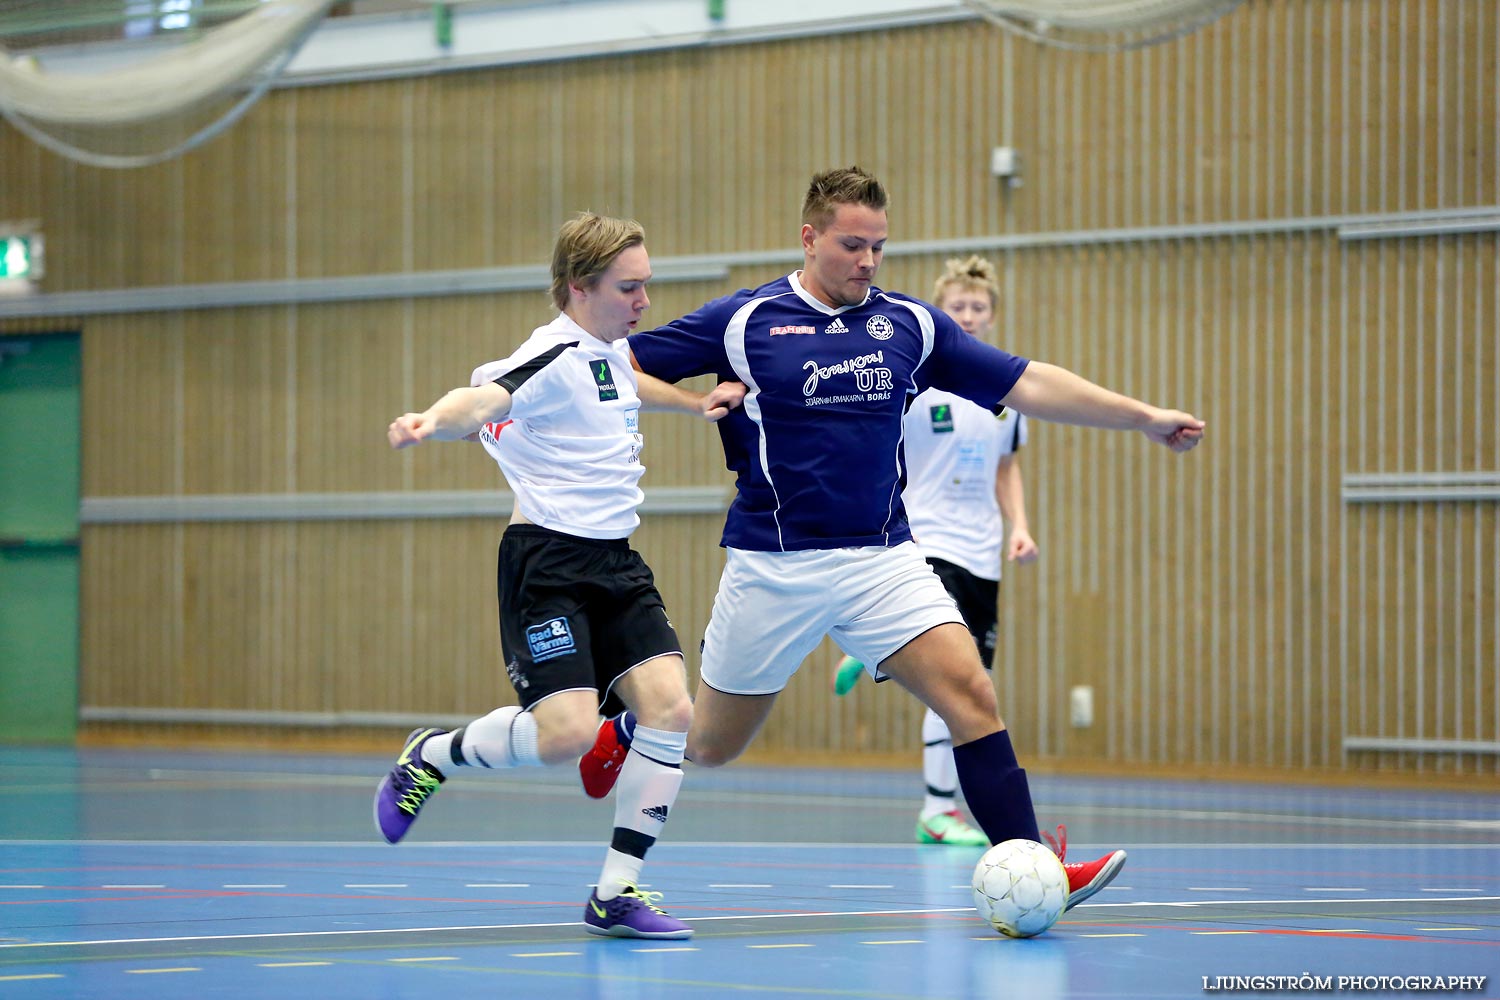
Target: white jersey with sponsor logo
(571, 447)
(953, 449)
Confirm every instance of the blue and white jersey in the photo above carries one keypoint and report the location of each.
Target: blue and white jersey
(816, 446)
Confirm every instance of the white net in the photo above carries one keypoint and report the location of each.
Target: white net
(1101, 25)
(162, 105)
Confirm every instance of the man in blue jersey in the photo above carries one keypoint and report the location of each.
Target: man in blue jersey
(817, 537)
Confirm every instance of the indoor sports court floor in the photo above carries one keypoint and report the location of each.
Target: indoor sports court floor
(128, 873)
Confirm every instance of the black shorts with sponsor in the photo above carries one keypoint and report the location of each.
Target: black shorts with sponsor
(576, 612)
(978, 600)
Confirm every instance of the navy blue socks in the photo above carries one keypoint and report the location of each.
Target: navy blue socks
(995, 788)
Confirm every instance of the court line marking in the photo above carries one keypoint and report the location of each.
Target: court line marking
(254, 885)
(794, 945)
(503, 885)
(742, 795)
(1294, 902)
(273, 935)
(39, 975)
(374, 885)
(1110, 935)
(131, 886)
(838, 885)
(1145, 904)
(154, 972)
(288, 965)
(450, 845)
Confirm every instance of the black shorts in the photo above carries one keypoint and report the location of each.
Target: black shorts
(576, 613)
(978, 601)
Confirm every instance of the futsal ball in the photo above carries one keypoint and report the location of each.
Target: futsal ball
(1020, 888)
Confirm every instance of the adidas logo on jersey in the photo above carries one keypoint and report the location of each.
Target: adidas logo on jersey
(837, 326)
(658, 813)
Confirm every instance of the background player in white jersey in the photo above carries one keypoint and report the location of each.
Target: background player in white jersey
(817, 538)
(963, 488)
(579, 610)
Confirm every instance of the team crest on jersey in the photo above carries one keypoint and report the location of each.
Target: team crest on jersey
(550, 639)
(880, 328)
(942, 418)
(604, 380)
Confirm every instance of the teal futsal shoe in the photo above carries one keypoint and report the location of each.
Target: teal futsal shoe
(846, 675)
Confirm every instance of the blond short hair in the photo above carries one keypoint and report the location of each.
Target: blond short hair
(841, 186)
(586, 245)
(972, 275)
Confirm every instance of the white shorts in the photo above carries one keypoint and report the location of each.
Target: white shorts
(773, 608)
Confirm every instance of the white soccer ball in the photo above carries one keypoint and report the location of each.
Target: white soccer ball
(1020, 888)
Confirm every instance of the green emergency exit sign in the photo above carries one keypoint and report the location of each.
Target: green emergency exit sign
(19, 257)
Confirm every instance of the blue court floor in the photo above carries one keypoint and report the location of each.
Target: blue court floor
(139, 874)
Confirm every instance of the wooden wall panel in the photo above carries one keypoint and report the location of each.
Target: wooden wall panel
(1228, 607)
(132, 405)
(456, 130)
(352, 174)
(235, 411)
(237, 198)
(130, 616)
(352, 364)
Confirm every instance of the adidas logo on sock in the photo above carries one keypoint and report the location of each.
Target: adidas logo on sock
(837, 326)
(658, 813)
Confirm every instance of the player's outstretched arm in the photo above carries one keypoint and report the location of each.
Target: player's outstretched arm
(712, 405)
(1048, 392)
(457, 415)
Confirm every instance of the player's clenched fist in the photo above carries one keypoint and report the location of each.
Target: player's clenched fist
(408, 429)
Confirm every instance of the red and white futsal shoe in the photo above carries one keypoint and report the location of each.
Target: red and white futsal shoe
(600, 767)
(1084, 877)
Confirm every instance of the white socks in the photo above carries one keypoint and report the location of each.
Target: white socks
(649, 780)
(647, 788)
(504, 738)
(938, 769)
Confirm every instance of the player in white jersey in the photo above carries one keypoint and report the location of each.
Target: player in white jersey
(963, 487)
(817, 537)
(579, 610)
